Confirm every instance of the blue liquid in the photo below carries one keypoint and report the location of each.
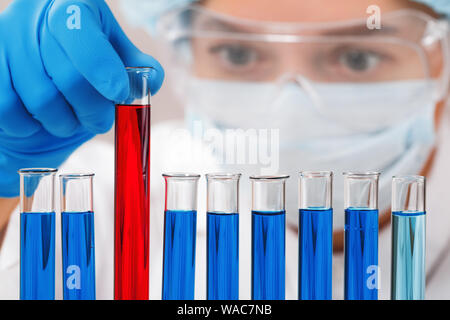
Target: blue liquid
(180, 229)
(223, 256)
(408, 256)
(37, 256)
(315, 254)
(268, 255)
(361, 254)
(78, 255)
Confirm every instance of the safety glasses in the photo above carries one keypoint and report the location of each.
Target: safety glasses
(321, 58)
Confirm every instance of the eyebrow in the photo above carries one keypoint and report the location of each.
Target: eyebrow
(214, 24)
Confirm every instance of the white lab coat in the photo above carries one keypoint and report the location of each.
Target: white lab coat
(98, 156)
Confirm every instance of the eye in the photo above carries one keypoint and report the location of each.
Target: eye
(359, 60)
(235, 55)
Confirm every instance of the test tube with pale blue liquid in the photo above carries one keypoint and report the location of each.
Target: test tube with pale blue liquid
(408, 238)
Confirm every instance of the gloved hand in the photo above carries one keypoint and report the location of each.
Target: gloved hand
(62, 64)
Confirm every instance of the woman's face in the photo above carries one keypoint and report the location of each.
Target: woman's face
(343, 54)
(323, 61)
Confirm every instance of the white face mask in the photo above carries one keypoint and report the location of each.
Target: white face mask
(393, 135)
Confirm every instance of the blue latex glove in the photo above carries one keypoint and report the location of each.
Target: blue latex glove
(59, 73)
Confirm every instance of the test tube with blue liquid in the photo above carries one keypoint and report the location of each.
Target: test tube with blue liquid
(223, 236)
(408, 238)
(37, 234)
(315, 235)
(268, 237)
(180, 229)
(361, 235)
(77, 235)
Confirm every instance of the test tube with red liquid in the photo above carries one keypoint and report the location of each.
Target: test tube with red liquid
(132, 190)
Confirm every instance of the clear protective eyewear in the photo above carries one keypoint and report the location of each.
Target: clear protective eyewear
(344, 57)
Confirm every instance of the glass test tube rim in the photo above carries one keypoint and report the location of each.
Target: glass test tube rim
(142, 68)
(266, 181)
(76, 175)
(181, 175)
(269, 177)
(361, 174)
(409, 177)
(223, 176)
(139, 70)
(37, 171)
(146, 70)
(315, 174)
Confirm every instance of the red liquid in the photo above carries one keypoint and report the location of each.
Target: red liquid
(132, 202)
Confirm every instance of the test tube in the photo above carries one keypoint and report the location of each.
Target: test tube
(180, 229)
(268, 237)
(361, 235)
(223, 236)
(37, 234)
(315, 235)
(132, 190)
(77, 235)
(408, 238)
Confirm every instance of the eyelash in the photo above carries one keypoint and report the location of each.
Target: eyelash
(223, 47)
(337, 53)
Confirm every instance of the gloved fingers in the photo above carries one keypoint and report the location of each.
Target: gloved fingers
(40, 96)
(77, 27)
(132, 56)
(14, 118)
(94, 112)
(52, 111)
